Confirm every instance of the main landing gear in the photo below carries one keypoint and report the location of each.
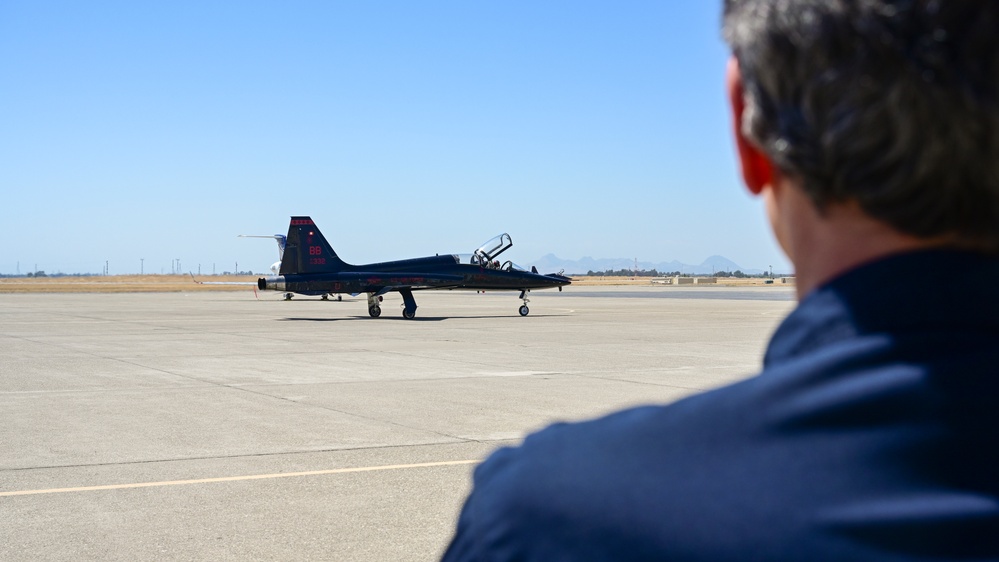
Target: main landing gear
(374, 310)
(524, 311)
(408, 304)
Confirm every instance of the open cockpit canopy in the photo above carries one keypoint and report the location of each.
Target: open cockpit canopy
(494, 247)
(485, 255)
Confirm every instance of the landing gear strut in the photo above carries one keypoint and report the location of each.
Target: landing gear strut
(374, 310)
(524, 311)
(408, 304)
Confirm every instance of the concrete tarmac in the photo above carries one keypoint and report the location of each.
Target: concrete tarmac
(215, 426)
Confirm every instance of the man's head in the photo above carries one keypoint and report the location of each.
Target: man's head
(892, 105)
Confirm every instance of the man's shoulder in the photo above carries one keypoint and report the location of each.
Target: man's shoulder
(650, 431)
(647, 431)
(606, 484)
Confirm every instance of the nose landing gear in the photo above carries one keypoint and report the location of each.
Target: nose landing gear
(524, 311)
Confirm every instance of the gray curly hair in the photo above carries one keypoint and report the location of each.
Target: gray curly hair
(893, 104)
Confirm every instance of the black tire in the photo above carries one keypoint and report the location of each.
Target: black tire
(524, 310)
(375, 311)
(408, 314)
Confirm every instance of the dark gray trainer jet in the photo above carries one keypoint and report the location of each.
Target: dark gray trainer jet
(310, 265)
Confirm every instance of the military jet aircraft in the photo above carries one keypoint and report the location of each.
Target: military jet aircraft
(309, 264)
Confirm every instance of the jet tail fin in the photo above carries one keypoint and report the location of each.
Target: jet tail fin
(307, 251)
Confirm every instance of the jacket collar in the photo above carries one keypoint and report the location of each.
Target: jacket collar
(919, 292)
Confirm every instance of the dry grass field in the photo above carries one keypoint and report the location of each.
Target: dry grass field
(123, 284)
(183, 283)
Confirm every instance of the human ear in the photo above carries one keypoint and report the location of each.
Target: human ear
(757, 169)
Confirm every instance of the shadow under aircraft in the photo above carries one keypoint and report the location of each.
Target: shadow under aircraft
(310, 265)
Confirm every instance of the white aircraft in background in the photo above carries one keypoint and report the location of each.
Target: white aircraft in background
(281, 240)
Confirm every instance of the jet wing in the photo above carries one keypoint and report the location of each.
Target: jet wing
(397, 281)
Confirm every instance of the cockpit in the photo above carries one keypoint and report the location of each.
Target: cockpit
(486, 254)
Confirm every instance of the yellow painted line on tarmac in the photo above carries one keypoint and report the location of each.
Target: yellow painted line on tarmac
(237, 478)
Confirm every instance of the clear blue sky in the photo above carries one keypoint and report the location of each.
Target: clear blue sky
(162, 130)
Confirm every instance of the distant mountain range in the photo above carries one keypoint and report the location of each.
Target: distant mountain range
(552, 264)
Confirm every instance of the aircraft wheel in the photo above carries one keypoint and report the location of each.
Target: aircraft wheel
(339, 298)
(524, 310)
(287, 296)
(375, 311)
(326, 297)
(408, 314)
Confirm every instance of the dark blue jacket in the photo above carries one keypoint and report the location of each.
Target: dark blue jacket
(871, 434)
